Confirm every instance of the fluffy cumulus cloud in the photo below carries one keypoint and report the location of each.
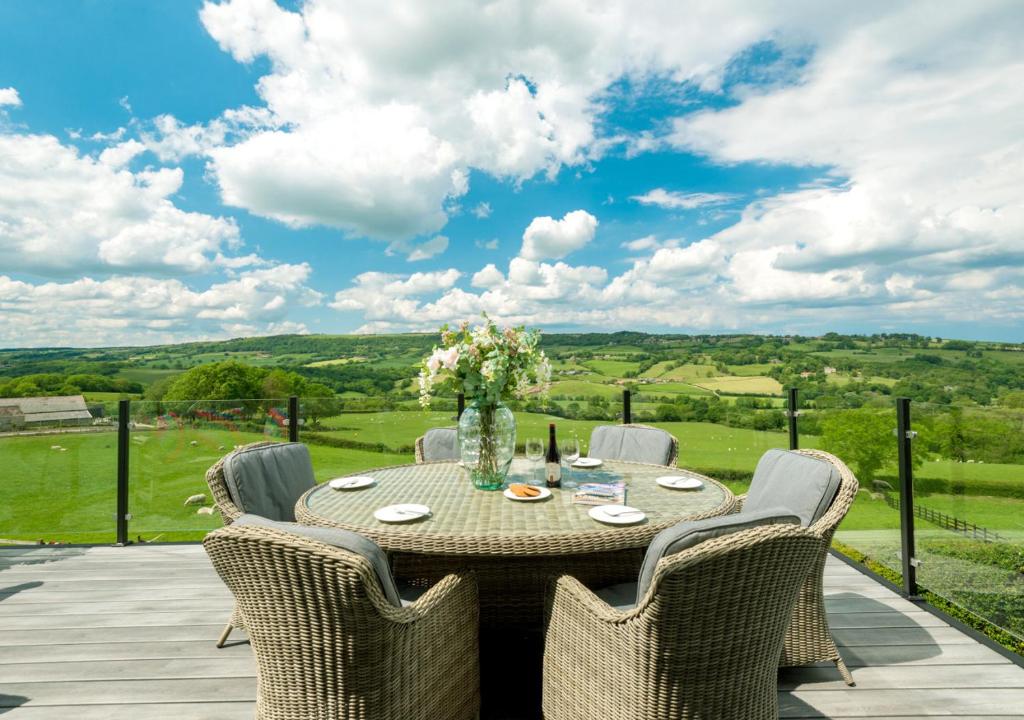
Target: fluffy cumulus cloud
(546, 237)
(9, 96)
(913, 120)
(144, 310)
(376, 113)
(93, 252)
(63, 212)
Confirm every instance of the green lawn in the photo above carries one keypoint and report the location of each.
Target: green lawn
(612, 368)
(62, 486)
(751, 385)
(690, 372)
(584, 389)
(69, 495)
(748, 370)
(670, 388)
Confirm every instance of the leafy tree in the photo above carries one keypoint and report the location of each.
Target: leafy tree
(228, 380)
(864, 440)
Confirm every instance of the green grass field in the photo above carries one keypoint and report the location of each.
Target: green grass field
(612, 368)
(751, 385)
(62, 486)
(145, 375)
(689, 372)
(672, 388)
(584, 389)
(748, 370)
(109, 396)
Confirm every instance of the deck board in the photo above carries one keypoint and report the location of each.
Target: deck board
(118, 633)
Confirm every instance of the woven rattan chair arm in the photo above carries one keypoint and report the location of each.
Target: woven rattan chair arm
(569, 595)
(738, 503)
(453, 597)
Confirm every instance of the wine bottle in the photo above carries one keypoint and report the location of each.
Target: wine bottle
(553, 461)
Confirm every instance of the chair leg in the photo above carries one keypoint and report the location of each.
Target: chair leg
(845, 672)
(227, 631)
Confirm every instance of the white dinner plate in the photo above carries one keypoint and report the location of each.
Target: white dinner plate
(678, 482)
(585, 462)
(403, 512)
(351, 483)
(544, 493)
(616, 514)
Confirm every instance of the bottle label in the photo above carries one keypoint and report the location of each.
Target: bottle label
(553, 474)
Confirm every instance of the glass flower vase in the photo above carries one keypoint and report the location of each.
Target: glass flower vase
(487, 442)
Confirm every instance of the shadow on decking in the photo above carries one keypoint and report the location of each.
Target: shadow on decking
(11, 590)
(915, 643)
(11, 702)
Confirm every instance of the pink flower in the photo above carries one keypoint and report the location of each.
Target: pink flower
(450, 358)
(434, 362)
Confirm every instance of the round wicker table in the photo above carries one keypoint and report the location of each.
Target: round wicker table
(514, 547)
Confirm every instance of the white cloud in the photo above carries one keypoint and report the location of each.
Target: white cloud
(9, 96)
(490, 276)
(370, 106)
(141, 310)
(681, 201)
(482, 210)
(62, 212)
(546, 237)
(428, 249)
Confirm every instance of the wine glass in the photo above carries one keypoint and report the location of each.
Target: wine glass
(535, 453)
(570, 449)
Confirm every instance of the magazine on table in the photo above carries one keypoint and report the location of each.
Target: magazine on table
(600, 494)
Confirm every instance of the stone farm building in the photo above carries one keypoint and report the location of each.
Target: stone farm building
(36, 412)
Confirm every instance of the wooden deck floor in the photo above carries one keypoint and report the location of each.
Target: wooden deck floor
(128, 633)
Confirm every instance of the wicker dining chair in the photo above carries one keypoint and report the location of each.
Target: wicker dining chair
(808, 638)
(330, 645)
(702, 642)
(633, 443)
(274, 499)
(438, 444)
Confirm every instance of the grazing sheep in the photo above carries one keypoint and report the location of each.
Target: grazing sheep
(204, 511)
(220, 447)
(55, 447)
(196, 499)
(194, 443)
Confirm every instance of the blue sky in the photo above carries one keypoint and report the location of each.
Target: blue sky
(173, 171)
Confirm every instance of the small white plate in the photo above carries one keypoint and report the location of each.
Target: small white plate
(678, 482)
(585, 462)
(403, 512)
(351, 483)
(544, 492)
(616, 514)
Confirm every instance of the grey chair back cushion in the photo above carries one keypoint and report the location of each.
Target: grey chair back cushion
(353, 542)
(803, 485)
(633, 444)
(268, 480)
(441, 444)
(687, 534)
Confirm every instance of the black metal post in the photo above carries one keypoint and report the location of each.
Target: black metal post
(461, 402)
(122, 517)
(904, 441)
(293, 419)
(627, 410)
(793, 413)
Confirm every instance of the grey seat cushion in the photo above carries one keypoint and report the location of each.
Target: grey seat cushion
(633, 444)
(267, 480)
(441, 444)
(687, 534)
(803, 485)
(344, 539)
